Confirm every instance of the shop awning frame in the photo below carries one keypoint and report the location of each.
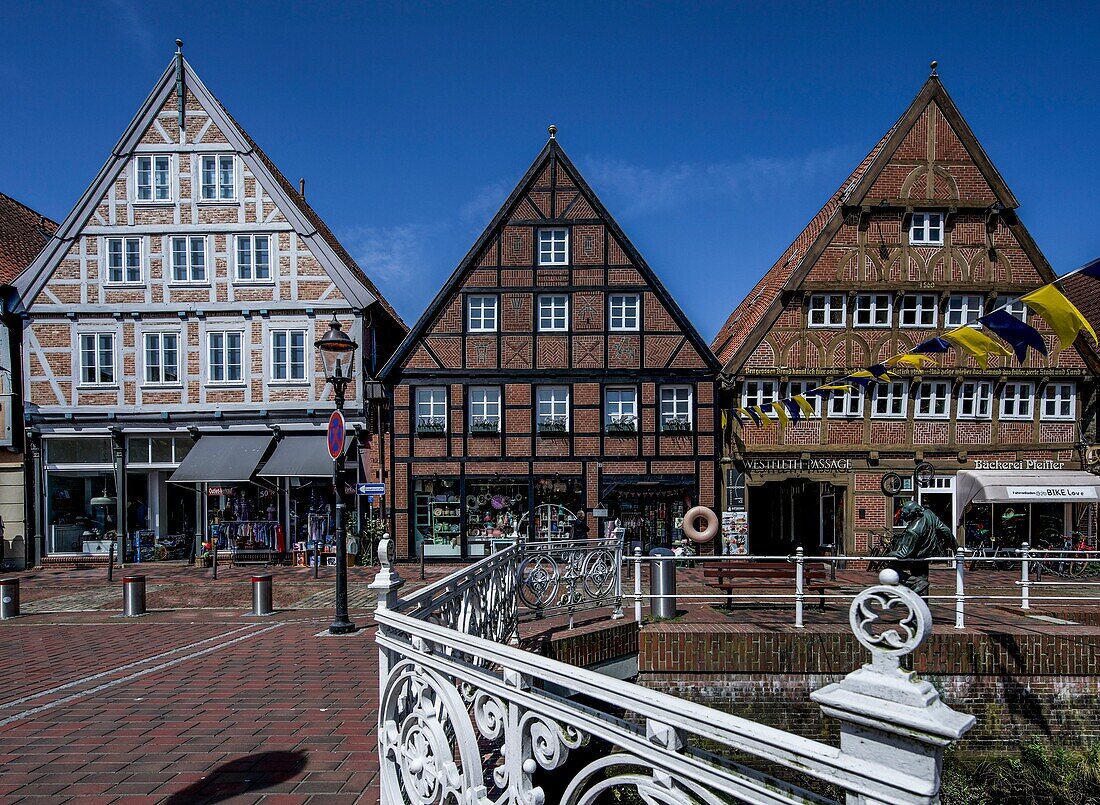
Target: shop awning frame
(1025, 486)
(223, 458)
(299, 455)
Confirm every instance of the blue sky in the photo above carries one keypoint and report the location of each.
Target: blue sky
(712, 131)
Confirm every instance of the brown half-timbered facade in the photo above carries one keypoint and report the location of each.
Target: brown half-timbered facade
(923, 237)
(553, 373)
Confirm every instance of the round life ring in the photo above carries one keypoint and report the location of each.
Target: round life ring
(708, 533)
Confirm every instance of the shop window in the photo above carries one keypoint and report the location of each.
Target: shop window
(189, 259)
(553, 313)
(553, 413)
(160, 450)
(97, 359)
(846, 404)
(80, 510)
(759, 392)
(919, 310)
(431, 410)
(484, 406)
(872, 310)
(1016, 400)
(676, 413)
(621, 409)
(253, 258)
(79, 451)
(496, 514)
(481, 314)
(153, 178)
(224, 357)
(926, 229)
(124, 260)
(288, 355)
(553, 247)
(437, 517)
(933, 399)
(891, 400)
(963, 309)
(623, 311)
(796, 387)
(975, 399)
(1059, 401)
(827, 310)
(558, 502)
(218, 177)
(162, 359)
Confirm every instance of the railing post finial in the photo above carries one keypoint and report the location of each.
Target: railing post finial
(388, 581)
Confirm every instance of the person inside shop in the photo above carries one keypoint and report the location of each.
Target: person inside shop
(925, 537)
(580, 525)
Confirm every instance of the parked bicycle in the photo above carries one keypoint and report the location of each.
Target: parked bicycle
(880, 545)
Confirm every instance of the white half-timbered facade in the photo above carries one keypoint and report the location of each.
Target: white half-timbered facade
(178, 304)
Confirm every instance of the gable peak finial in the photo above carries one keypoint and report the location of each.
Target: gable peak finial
(933, 67)
(179, 46)
(553, 131)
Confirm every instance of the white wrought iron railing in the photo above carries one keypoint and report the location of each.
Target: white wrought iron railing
(468, 716)
(570, 575)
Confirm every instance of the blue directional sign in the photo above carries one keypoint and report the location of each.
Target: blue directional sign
(370, 489)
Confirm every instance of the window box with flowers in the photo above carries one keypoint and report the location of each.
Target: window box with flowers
(553, 426)
(676, 425)
(430, 426)
(484, 426)
(623, 425)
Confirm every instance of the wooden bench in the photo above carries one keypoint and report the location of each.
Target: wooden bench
(252, 556)
(740, 574)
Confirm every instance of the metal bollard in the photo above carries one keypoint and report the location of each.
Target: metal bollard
(637, 584)
(9, 598)
(111, 563)
(133, 596)
(261, 595)
(1025, 577)
(960, 589)
(662, 583)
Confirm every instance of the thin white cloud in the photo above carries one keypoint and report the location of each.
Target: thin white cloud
(484, 204)
(390, 255)
(132, 24)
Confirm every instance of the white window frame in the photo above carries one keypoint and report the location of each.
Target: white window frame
(219, 184)
(553, 404)
(873, 310)
(1058, 395)
(624, 312)
(676, 402)
(762, 391)
(916, 307)
(481, 303)
(847, 404)
(550, 311)
(930, 394)
(624, 406)
(287, 364)
(238, 265)
(433, 398)
(1020, 405)
(124, 267)
(554, 246)
(890, 400)
(967, 313)
(975, 400)
(923, 228)
(796, 387)
(225, 363)
(103, 344)
(189, 267)
(1012, 304)
(483, 404)
(153, 343)
(831, 313)
(153, 186)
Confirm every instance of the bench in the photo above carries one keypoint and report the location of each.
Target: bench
(737, 575)
(252, 556)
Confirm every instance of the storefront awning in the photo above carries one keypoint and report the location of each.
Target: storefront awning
(223, 458)
(1026, 486)
(300, 456)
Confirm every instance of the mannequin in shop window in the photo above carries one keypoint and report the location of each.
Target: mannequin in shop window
(925, 537)
(580, 525)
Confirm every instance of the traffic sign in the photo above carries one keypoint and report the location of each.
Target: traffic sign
(370, 489)
(336, 432)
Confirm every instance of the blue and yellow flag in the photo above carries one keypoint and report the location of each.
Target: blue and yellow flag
(1016, 333)
(913, 361)
(976, 343)
(765, 420)
(1060, 314)
(781, 412)
(807, 409)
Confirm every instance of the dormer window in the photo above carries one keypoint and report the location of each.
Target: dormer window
(553, 247)
(926, 229)
(153, 178)
(218, 177)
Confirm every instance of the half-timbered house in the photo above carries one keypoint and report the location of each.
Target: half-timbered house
(923, 237)
(553, 374)
(173, 387)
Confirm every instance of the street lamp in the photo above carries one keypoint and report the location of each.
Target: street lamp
(338, 360)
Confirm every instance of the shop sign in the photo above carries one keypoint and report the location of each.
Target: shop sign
(1053, 492)
(215, 491)
(735, 490)
(599, 512)
(799, 465)
(1031, 464)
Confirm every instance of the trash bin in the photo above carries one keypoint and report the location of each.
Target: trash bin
(662, 583)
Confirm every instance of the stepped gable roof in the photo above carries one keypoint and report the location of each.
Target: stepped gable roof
(551, 151)
(23, 233)
(751, 319)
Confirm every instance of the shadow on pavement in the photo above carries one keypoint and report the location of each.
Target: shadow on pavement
(241, 776)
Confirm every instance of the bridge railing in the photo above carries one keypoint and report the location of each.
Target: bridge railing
(468, 716)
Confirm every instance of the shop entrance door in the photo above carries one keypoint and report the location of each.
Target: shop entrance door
(784, 515)
(830, 517)
(939, 498)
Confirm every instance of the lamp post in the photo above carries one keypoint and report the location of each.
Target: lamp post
(338, 360)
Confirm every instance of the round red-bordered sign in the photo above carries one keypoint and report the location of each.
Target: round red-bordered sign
(336, 431)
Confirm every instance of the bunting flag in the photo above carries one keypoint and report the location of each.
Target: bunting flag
(742, 413)
(879, 372)
(725, 420)
(1014, 332)
(793, 409)
(863, 377)
(931, 346)
(977, 344)
(765, 420)
(910, 360)
(1059, 313)
(1092, 270)
(804, 404)
(824, 391)
(781, 412)
(752, 415)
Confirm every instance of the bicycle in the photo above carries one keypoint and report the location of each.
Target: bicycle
(882, 549)
(987, 551)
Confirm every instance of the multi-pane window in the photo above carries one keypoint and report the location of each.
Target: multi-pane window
(827, 309)
(253, 257)
(162, 358)
(676, 408)
(553, 247)
(553, 313)
(97, 359)
(846, 404)
(933, 399)
(919, 310)
(218, 177)
(188, 258)
(796, 387)
(485, 409)
(623, 311)
(288, 355)
(621, 408)
(926, 228)
(890, 400)
(1016, 400)
(975, 399)
(872, 310)
(481, 314)
(431, 408)
(1013, 306)
(759, 392)
(153, 178)
(223, 364)
(1059, 401)
(123, 259)
(553, 410)
(963, 309)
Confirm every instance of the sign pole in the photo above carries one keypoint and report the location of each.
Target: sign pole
(341, 624)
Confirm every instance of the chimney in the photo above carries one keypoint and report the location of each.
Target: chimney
(302, 188)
